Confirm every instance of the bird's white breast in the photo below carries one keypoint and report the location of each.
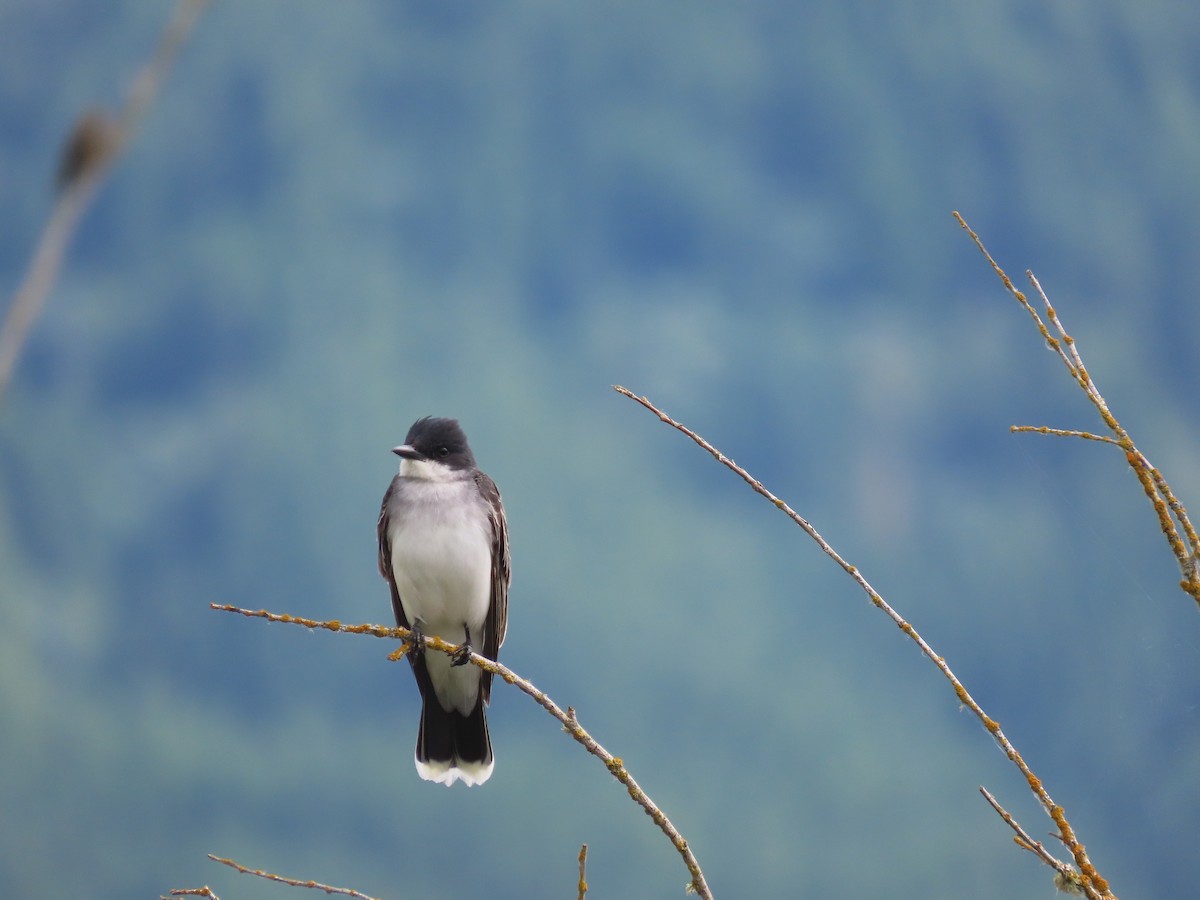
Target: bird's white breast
(442, 558)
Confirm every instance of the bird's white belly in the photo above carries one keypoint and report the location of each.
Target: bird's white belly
(443, 570)
(443, 573)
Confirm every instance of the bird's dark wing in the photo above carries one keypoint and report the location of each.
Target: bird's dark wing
(497, 620)
(385, 555)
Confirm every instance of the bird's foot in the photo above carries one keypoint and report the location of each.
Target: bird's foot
(416, 642)
(462, 655)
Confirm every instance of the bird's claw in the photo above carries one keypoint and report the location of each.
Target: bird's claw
(416, 643)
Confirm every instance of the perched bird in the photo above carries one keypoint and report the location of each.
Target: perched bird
(443, 550)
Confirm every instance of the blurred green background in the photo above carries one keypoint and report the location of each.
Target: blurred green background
(340, 217)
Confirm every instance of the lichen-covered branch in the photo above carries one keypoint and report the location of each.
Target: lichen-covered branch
(569, 720)
(1172, 516)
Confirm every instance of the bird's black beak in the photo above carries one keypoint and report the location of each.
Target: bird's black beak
(407, 452)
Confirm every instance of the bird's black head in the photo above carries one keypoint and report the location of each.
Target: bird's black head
(437, 440)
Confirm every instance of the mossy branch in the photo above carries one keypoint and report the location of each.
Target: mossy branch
(568, 719)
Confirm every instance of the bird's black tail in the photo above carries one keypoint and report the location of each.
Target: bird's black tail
(453, 747)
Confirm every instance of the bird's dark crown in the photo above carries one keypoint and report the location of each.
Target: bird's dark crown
(441, 440)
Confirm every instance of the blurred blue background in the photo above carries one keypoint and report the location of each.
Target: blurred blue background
(340, 217)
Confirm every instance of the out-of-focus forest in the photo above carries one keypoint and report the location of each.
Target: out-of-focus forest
(339, 217)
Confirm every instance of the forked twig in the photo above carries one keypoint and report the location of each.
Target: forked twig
(95, 142)
(1066, 875)
(1096, 886)
(1171, 513)
(569, 721)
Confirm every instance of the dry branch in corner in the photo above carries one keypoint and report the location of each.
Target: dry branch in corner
(95, 142)
(1095, 887)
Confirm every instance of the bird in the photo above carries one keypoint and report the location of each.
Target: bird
(443, 550)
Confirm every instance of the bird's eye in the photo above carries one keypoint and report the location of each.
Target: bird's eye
(443, 452)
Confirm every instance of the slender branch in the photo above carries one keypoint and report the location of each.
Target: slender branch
(583, 885)
(1096, 883)
(1063, 432)
(569, 720)
(43, 268)
(1186, 548)
(93, 145)
(294, 882)
(205, 891)
(150, 79)
(1050, 340)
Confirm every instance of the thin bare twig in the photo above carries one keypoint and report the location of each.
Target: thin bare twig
(294, 882)
(94, 143)
(1063, 432)
(1171, 513)
(569, 720)
(43, 269)
(1097, 886)
(583, 886)
(205, 891)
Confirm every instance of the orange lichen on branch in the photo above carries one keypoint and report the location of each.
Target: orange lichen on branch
(1150, 479)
